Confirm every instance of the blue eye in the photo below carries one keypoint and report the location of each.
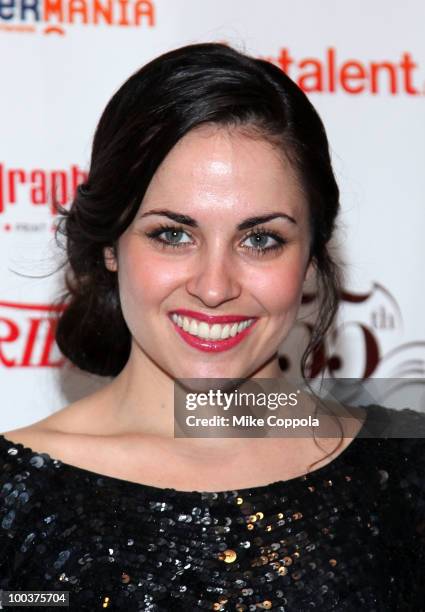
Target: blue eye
(260, 239)
(174, 234)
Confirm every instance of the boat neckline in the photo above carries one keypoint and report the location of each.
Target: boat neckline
(171, 491)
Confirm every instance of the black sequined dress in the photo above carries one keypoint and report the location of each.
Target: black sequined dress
(347, 536)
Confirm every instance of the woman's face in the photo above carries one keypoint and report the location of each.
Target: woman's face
(197, 252)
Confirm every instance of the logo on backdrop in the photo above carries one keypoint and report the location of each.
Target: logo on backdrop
(27, 336)
(365, 342)
(331, 74)
(55, 16)
(34, 188)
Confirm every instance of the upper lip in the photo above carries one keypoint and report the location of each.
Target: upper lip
(210, 318)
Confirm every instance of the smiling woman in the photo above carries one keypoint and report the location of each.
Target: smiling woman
(238, 251)
(210, 200)
(227, 143)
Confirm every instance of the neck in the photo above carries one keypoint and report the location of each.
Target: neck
(140, 401)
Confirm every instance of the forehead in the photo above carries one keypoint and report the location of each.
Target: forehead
(223, 170)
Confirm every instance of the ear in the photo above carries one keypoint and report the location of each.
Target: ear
(110, 259)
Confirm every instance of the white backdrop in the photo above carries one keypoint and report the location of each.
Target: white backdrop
(362, 65)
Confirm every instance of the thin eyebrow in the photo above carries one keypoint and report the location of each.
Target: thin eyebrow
(246, 224)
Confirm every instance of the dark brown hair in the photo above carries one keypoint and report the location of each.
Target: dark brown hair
(171, 95)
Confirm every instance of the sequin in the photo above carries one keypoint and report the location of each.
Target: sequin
(349, 536)
(228, 556)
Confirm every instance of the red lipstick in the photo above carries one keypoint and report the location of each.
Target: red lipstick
(215, 346)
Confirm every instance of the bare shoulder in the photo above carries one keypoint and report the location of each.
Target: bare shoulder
(41, 440)
(62, 434)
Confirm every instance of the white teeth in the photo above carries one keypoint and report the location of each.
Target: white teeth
(210, 332)
(215, 331)
(193, 327)
(225, 333)
(203, 330)
(234, 330)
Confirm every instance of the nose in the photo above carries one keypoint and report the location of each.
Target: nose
(215, 280)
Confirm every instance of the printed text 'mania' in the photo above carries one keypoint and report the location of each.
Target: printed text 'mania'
(109, 12)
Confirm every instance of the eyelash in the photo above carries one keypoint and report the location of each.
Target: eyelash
(260, 231)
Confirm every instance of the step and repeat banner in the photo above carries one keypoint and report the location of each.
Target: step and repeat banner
(362, 66)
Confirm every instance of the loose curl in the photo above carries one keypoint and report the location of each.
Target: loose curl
(171, 95)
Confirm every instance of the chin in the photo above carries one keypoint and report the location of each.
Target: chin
(212, 372)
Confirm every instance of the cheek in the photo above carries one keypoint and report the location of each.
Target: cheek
(144, 277)
(279, 287)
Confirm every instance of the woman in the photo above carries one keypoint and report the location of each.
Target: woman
(210, 200)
